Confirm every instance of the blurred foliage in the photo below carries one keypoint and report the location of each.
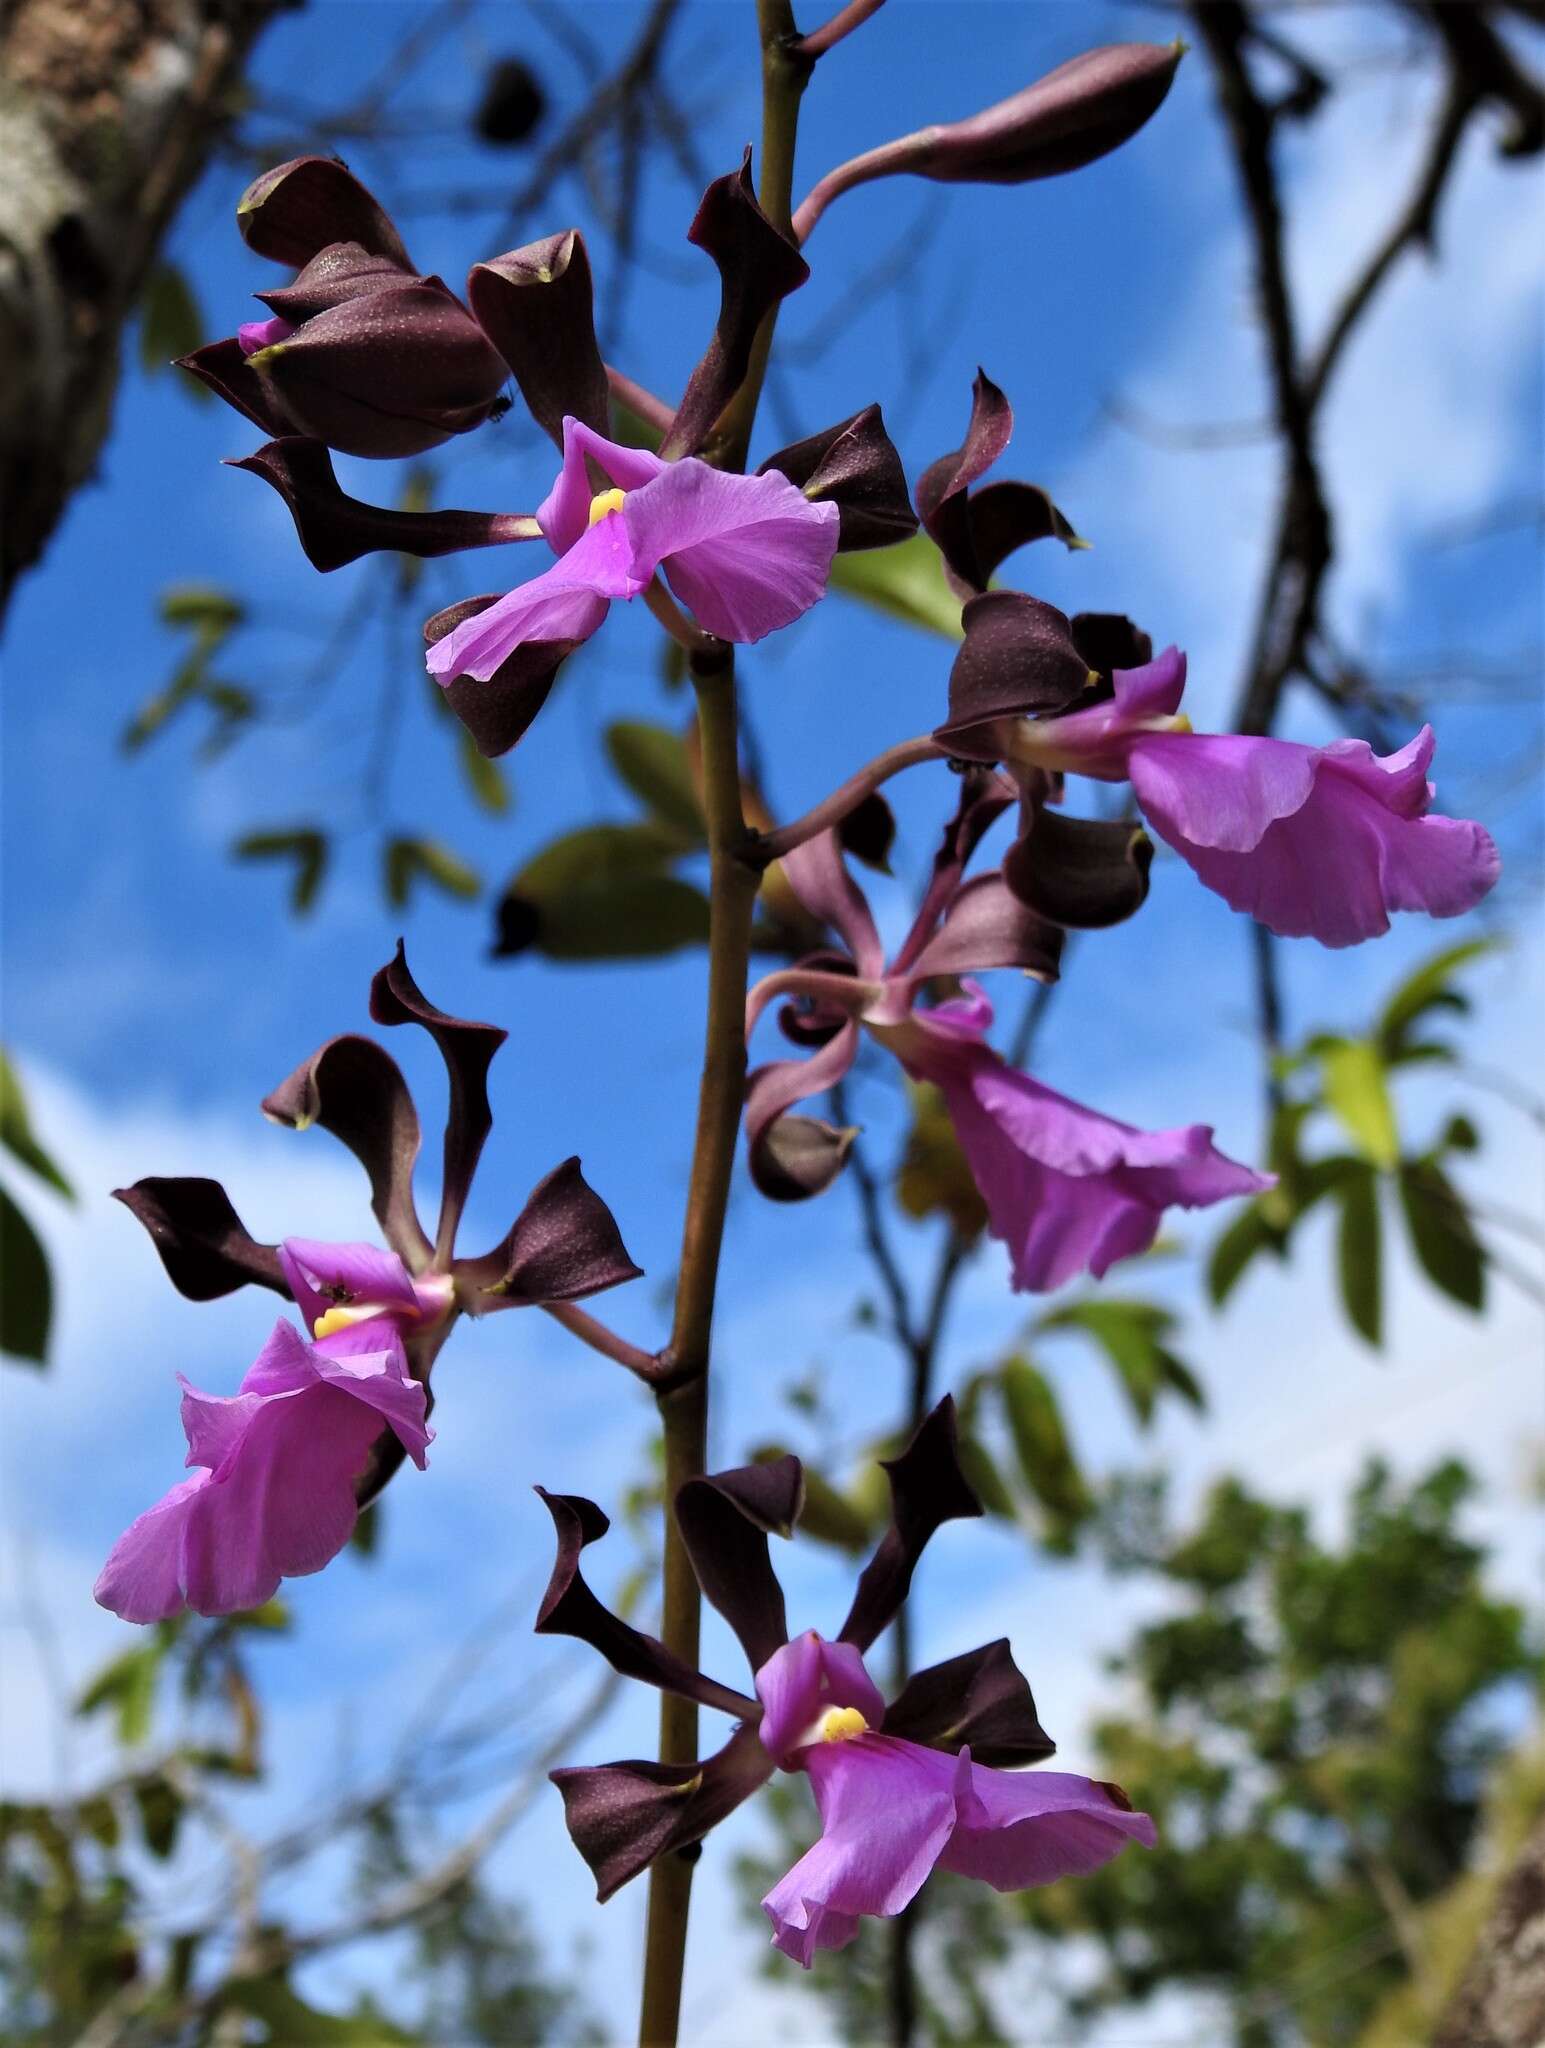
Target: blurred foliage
(1345, 1084)
(26, 1283)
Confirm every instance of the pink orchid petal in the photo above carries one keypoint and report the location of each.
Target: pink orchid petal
(321, 1275)
(888, 1809)
(819, 877)
(1331, 867)
(567, 602)
(1155, 689)
(800, 1681)
(142, 1578)
(564, 514)
(253, 335)
(1032, 1827)
(747, 554)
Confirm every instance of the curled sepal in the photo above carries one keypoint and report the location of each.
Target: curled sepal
(300, 207)
(725, 1519)
(1084, 873)
(563, 1245)
(943, 486)
(497, 712)
(334, 528)
(467, 1049)
(354, 1089)
(204, 1245)
(222, 367)
(536, 305)
(987, 925)
(982, 1700)
(854, 466)
(794, 1157)
(758, 266)
(622, 1817)
(569, 1608)
(928, 1487)
(1108, 641)
(1018, 659)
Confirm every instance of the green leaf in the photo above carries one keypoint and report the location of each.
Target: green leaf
(984, 1478)
(305, 847)
(1041, 1443)
(1355, 1088)
(366, 1536)
(186, 684)
(602, 893)
(289, 2022)
(1130, 1333)
(652, 761)
(170, 324)
(1442, 1235)
(934, 1177)
(128, 1686)
(484, 778)
(405, 861)
(160, 1813)
(906, 580)
(1250, 1233)
(16, 1133)
(26, 1287)
(211, 610)
(273, 1616)
(1359, 1256)
(1426, 989)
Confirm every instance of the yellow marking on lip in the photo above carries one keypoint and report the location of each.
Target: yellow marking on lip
(342, 1318)
(604, 503)
(840, 1724)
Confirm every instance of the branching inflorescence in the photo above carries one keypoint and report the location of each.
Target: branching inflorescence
(362, 354)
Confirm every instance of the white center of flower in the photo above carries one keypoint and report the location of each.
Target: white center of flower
(604, 503)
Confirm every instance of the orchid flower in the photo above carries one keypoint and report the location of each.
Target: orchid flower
(930, 1781)
(1320, 842)
(321, 1421)
(1067, 1189)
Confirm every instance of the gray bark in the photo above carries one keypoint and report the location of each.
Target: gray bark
(1500, 2002)
(108, 111)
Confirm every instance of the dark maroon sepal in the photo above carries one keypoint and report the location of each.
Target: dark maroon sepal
(943, 487)
(564, 1245)
(333, 277)
(223, 368)
(334, 529)
(981, 1699)
(391, 372)
(1018, 659)
(868, 832)
(795, 1157)
(1008, 516)
(758, 266)
(498, 711)
(537, 307)
(467, 1049)
(623, 1817)
(854, 466)
(1083, 873)
(299, 207)
(354, 1088)
(569, 1608)
(203, 1244)
(1108, 641)
(928, 1488)
(725, 1519)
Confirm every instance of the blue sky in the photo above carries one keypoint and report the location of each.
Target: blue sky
(155, 990)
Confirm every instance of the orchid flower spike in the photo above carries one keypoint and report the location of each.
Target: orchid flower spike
(1067, 1189)
(322, 1419)
(930, 1781)
(1316, 842)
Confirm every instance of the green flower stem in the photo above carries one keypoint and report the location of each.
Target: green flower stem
(683, 1394)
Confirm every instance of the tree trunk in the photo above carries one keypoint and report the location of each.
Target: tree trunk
(1500, 2002)
(108, 111)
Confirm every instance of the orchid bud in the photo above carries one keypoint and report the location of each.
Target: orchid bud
(1074, 115)
(536, 306)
